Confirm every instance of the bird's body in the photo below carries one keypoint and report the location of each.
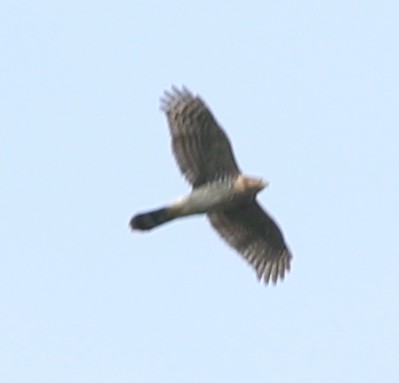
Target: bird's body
(208, 198)
(205, 157)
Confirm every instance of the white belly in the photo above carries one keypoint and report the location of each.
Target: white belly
(206, 199)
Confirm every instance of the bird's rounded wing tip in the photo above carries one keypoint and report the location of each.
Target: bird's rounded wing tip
(172, 97)
(275, 269)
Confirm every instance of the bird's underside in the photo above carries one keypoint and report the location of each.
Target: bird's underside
(228, 198)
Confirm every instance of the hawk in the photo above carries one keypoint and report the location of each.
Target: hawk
(228, 197)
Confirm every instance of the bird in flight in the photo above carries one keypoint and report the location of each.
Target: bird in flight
(219, 189)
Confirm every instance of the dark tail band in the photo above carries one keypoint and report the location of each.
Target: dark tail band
(148, 221)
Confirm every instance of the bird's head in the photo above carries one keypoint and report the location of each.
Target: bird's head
(250, 185)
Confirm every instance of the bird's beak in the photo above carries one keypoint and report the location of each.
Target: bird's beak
(264, 183)
(258, 183)
(249, 184)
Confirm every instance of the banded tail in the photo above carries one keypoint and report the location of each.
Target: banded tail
(149, 220)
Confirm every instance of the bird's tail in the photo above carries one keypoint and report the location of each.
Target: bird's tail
(149, 220)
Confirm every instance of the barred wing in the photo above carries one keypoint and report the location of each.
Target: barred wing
(256, 237)
(201, 148)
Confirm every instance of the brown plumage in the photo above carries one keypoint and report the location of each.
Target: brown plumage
(205, 157)
(202, 149)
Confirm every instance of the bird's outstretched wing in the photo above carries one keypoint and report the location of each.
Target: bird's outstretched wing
(201, 148)
(256, 237)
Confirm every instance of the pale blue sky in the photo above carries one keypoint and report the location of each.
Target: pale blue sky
(308, 92)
